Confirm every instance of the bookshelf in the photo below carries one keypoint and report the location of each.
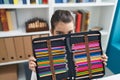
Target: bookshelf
(101, 14)
(13, 62)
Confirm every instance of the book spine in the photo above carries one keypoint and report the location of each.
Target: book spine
(4, 20)
(0, 25)
(11, 2)
(20, 2)
(28, 2)
(14, 19)
(15, 1)
(58, 1)
(64, 1)
(71, 1)
(1, 2)
(78, 22)
(6, 1)
(32, 1)
(9, 20)
(45, 1)
(39, 1)
(24, 1)
(87, 21)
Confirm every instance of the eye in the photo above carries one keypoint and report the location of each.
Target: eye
(70, 32)
(59, 33)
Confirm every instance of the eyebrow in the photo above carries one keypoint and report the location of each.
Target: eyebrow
(59, 32)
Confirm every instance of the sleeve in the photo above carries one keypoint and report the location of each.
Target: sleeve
(33, 76)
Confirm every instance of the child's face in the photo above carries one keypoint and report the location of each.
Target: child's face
(63, 28)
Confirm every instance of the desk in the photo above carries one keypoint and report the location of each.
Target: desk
(113, 77)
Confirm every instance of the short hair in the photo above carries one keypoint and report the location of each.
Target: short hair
(61, 15)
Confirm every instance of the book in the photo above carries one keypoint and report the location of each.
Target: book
(58, 1)
(28, 2)
(0, 25)
(11, 2)
(65, 1)
(71, 1)
(20, 2)
(75, 56)
(45, 1)
(9, 20)
(85, 20)
(14, 19)
(15, 2)
(6, 1)
(24, 1)
(40, 1)
(1, 1)
(78, 22)
(4, 20)
(32, 1)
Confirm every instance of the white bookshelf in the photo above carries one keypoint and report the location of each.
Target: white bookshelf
(84, 4)
(101, 14)
(20, 6)
(20, 32)
(13, 62)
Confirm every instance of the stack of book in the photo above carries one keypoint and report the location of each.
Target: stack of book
(23, 1)
(8, 20)
(81, 18)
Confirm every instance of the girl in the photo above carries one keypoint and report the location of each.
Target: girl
(62, 22)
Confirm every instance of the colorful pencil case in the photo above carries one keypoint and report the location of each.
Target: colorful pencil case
(69, 57)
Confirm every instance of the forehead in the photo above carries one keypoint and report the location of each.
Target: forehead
(61, 26)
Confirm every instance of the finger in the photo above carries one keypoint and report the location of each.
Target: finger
(32, 63)
(32, 67)
(104, 60)
(104, 56)
(32, 58)
(105, 63)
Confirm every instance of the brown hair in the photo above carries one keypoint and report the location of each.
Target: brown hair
(61, 15)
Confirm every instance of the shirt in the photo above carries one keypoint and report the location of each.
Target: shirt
(33, 76)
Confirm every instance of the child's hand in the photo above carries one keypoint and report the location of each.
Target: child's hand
(32, 63)
(104, 59)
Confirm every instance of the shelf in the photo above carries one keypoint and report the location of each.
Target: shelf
(13, 62)
(83, 4)
(24, 6)
(103, 33)
(20, 32)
